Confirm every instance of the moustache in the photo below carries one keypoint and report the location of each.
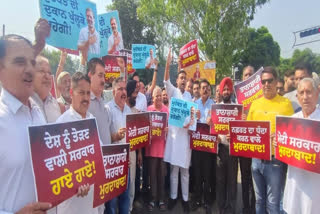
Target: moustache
(85, 102)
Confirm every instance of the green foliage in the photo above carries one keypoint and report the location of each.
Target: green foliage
(305, 56)
(221, 26)
(71, 66)
(260, 50)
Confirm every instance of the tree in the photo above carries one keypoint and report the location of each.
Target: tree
(133, 30)
(219, 25)
(260, 50)
(71, 66)
(305, 56)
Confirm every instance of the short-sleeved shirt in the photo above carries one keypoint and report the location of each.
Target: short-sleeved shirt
(156, 148)
(84, 37)
(267, 110)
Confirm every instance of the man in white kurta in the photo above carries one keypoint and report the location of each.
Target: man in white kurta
(302, 193)
(177, 151)
(80, 85)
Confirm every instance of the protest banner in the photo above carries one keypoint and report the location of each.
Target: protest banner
(189, 54)
(143, 56)
(249, 90)
(158, 125)
(69, 25)
(138, 130)
(53, 87)
(115, 66)
(250, 139)
(64, 156)
(128, 54)
(111, 41)
(221, 114)
(202, 140)
(204, 70)
(298, 142)
(180, 114)
(116, 162)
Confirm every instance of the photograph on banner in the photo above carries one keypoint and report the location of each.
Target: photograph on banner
(202, 70)
(74, 25)
(249, 90)
(138, 130)
(221, 114)
(183, 114)
(189, 54)
(298, 142)
(64, 157)
(53, 87)
(143, 56)
(158, 125)
(128, 54)
(111, 41)
(202, 140)
(250, 139)
(115, 66)
(115, 181)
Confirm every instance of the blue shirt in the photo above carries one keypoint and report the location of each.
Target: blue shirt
(204, 109)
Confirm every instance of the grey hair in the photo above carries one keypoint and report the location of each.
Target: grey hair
(155, 90)
(312, 81)
(116, 82)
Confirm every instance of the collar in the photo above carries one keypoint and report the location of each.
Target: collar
(93, 97)
(125, 108)
(77, 115)
(11, 101)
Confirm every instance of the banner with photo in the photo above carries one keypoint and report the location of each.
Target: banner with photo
(202, 140)
(73, 23)
(221, 114)
(115, 66)
(115, 181)
(128, 54)
(143, 56)
(189, 54)
(298, 142)
(202, 70)
(249, 90)
(250, 139)
(111, 41)
(64, 157)
(183, 114)
(138, 130)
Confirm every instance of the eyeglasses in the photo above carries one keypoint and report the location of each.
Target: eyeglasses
(267, 80)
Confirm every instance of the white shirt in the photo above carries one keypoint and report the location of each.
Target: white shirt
(111, 42)
(177, 151)
(302, 193)
(103, 117)
(118, 118)
(148, 61)
(49, 108)
(141, 102)
(292, 96)
(84, 37)
(76, 205)
(17, 187)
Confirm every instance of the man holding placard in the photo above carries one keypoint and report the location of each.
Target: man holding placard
(268, 176)
(177, 151)
(302, 187)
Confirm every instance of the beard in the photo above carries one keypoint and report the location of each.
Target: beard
(132, 101)
(165, 102)
(226, 99)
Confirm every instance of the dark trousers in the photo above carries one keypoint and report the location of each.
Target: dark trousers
(202, 164)
(157, 170)
(226, 175)
(248, 197)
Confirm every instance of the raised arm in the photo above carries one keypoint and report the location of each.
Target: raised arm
(41, 31)
(167, 69)
(154, 78)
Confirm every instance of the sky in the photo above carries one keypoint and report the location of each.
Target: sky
(281, 17)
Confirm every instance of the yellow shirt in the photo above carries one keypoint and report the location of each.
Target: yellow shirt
(264, 109)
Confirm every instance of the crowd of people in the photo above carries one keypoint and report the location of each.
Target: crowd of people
(267, 186)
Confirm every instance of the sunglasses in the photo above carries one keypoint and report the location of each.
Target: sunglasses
(267, 80)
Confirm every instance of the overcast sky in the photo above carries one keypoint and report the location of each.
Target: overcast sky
(281, 17)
